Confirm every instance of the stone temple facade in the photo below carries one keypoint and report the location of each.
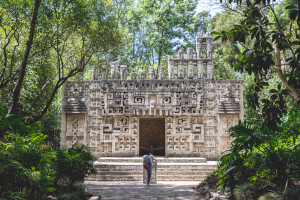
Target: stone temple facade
(181, 112)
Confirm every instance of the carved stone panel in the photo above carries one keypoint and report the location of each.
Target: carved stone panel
(196, 110)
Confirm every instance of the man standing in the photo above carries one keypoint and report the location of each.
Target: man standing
(148, 160)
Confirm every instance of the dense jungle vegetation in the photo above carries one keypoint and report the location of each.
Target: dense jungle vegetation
(44, 43)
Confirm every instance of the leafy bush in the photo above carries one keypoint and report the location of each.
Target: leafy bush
(30, 169)
(12, 124)
(25, 166)
(246, 191)
(73, 165)
(292, 193)
(270, 196)
(270, 159)
(67, 196)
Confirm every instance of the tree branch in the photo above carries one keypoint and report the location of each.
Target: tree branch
(18, 87)
(41, 91)
(280, 73)
(282, 32)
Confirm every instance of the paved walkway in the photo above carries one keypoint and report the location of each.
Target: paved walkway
(137, 190)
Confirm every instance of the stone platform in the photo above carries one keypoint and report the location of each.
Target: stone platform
(136, 190)
(168, 169)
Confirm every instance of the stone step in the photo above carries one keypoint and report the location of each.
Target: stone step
(187, 167)
(120, 172)
(107, 169)
(118, 165)
(208, 163)
(159, 160)
(160, 172)
(128, 170)
(114, 178)
(183, 173)
(160, 165)
(179, 177)
(131, 169)
(181, 160)
(120, 159)
(140, 178)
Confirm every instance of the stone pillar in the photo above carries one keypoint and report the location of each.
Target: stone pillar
(114, 70)
(190, 52)
(151, 73)
(95, 73)
(153, 179)
(190, 70)
(200, 69)
(142, 75)
(123, 72)
(104, 74)
(133, 76)
(180, 70)
(209, 69)
(161, 74)
(209, 48)
(170, 67)
(180, 54)
(199, 46)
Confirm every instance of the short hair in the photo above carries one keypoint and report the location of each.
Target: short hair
(148, 152)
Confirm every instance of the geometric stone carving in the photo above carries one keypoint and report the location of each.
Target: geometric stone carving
(105, 113)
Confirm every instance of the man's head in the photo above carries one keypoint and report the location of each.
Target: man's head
(148, 153)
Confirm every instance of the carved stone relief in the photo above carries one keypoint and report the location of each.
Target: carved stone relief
(105, 113)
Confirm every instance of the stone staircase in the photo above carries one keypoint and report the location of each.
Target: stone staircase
(168, 169)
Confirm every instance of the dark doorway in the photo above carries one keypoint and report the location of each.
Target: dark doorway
(152, 133)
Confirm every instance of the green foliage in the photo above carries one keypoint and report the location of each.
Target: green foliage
(262, 34)
(292, 193)
(25, 166)
(10, 123)
(274, 108)
(270, 196)
(153, 30)
(249, 2)
(245, 191)
(67, 37)
(73, 164)
(30, 169)
(267, 158)
(67, 196)
(265, 151)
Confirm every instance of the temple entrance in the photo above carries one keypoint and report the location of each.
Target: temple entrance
(152, 133)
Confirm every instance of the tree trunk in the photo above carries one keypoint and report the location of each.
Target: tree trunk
(159, 58)
(280, 73)
(18, 87)
(152, 57)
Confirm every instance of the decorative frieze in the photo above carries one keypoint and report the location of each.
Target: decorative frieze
(105, 113)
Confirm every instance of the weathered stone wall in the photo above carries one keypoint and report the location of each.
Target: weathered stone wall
(105, 113)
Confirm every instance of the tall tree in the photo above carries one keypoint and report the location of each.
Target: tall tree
(45, 43)
(18, 87)
(270, 42)
(156, 27)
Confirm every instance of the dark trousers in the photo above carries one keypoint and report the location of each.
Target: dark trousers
(149, 171)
